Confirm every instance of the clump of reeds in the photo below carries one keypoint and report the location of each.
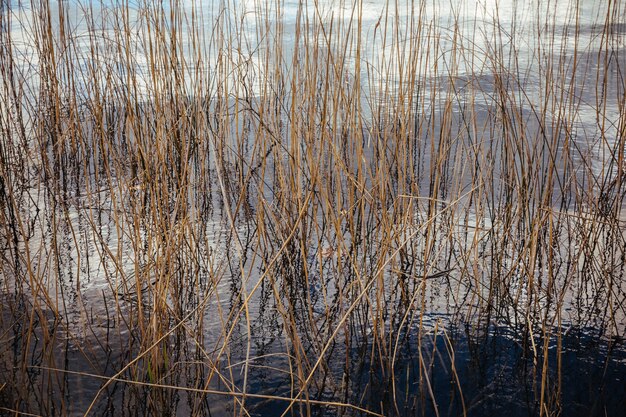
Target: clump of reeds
(218, 209)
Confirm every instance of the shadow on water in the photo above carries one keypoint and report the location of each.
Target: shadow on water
(492, 375)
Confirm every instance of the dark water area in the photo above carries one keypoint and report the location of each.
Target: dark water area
(453, 372)
(489, 375)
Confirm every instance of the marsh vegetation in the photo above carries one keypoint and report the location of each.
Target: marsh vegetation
(312, 208)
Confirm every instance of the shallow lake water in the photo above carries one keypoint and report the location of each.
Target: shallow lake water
(219, 243)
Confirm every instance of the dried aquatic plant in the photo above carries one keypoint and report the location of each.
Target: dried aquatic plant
(264, 208)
